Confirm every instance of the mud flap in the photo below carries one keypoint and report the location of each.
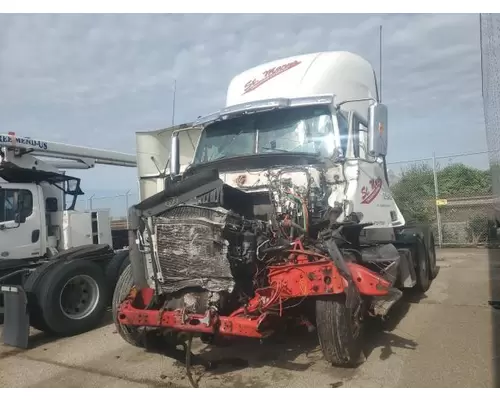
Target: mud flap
(16, 326)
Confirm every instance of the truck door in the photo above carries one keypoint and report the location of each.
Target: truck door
(20, 221)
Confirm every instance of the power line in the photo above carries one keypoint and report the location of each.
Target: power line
(173, 102)
(443, 157)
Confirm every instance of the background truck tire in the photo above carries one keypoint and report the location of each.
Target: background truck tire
(125, 282)
(71, 298)
(422, 267)
(339, 331)
(31, 286)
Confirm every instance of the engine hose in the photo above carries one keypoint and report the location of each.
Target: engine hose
(136, 261)
(386, 175)
(303, 205)
(21, 271)
(276, 249)
(297, 226)
(153, 260)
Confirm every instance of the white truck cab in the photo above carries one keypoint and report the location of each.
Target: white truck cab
(34, 223)
(41, 230)
(310, 103)
(22, 216)
(35, 218)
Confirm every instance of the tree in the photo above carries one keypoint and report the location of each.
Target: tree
(415, 191)
(458, 180)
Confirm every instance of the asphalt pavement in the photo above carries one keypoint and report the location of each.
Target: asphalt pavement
(447, 338)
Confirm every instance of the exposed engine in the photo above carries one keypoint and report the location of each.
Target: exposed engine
(214, 243)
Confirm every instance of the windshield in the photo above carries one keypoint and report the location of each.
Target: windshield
(299, 129)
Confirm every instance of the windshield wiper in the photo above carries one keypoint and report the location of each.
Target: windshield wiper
(294, 150)
(270, 148)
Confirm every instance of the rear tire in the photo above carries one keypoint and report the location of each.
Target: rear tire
(433, 266)
(340, 331)
(69, 299)
(422, 267)
(131, 335)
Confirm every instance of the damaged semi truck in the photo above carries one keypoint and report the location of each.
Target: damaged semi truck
(278, 210)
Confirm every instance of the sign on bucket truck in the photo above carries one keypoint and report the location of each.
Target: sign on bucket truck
(284, 212)
(57, 265)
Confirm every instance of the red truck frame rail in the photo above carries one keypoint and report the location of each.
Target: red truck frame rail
(305, 274)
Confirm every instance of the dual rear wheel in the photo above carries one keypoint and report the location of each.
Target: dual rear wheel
(68, 298)
(70, 295)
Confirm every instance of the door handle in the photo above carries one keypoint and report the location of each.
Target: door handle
(35, 236)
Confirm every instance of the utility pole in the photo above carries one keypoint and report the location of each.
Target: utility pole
(380, 63)
(173, 102)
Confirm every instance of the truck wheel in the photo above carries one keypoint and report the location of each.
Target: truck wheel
(31, 285)
(131, 335)
(115, 268)
(340, 331)
(433, 266)
(71, 298)
(422, 267)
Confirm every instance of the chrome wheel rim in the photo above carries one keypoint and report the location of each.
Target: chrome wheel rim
(79, 297)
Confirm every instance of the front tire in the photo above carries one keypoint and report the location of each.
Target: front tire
(130, 334)
(114, 269)
(340, 331)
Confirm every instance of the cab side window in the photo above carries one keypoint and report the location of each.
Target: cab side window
(27, 203)
(9, 201)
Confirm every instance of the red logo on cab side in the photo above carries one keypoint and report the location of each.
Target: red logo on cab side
(370, 194)
(268, 75)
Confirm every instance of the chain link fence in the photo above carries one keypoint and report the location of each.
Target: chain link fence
(460, 201)
(116, 204)
(448, 193)
(490, 73)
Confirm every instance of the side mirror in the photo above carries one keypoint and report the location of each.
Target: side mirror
(19, 218)
(377, 130)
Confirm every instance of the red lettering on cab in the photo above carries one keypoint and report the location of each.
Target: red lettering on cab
(268, 75)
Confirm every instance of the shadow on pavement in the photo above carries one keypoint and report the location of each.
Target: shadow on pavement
(293, 350)
(38, 339)
(380, 333)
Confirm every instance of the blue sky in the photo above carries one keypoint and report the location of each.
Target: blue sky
(96, 79)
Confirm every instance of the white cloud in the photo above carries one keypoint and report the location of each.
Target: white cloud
(96, 79)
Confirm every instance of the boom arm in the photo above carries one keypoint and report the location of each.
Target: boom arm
(82, 157)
